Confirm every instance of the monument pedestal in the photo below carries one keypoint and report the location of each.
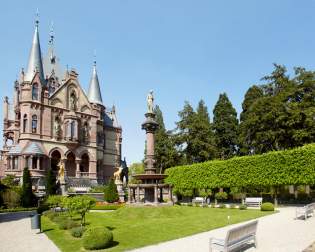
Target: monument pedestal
(63, 188)
(120, 190)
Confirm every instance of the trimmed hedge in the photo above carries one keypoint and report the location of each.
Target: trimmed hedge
(19, 209)
(267, 206)
(97, 238)
(289, 167)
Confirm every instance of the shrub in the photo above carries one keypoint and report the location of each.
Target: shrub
(275, 168)
(51, 215)
(77, 231)
(221, 196)
(267, 206)
(97, 238)
(67, 223)
(232, 206)
(110, 192)
(11, 199)
(97, 189)
(242, 207)
(212, 205)
(189, 204)
(222, 206)
(54, 200)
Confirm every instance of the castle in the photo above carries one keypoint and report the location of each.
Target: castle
(53, 121)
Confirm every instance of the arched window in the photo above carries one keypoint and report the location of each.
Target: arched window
(35, 91)
(24, 123)
(34, 124)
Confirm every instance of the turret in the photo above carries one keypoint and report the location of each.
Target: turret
(94, 94)
(6, 108)
(35, 59)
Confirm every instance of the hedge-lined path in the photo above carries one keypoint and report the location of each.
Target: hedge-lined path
(17, 236)
(278, 232)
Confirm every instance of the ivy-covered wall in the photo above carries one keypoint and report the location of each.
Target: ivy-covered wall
(289, 167)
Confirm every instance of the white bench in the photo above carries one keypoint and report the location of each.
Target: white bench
(199, 200)
(305, 211)
(235, 238)
(253, 202)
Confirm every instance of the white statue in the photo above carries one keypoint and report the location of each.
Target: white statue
(117, 174)
(150, 100)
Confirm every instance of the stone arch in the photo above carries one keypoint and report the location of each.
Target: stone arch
(70, 164)
(58, 149)
(55, 157)
(85, 163)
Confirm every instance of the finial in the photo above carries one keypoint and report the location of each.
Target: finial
(51, 33)
(37, 18)
(94, 56)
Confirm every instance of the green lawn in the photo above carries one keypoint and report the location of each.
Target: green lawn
(135, 227)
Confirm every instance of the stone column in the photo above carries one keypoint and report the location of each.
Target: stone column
(138, 195)
(129, 195)
(38, 163)
(77, 174)
(155, 194)
(30, 162)
(12, 163)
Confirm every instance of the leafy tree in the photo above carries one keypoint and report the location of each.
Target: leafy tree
(55, 201)
(27, 194)
(50, 183)
(9, 181)
(225, 125)
(194, 134)
(134, 169)
(110, 192)
(81, 205)
(165, 153)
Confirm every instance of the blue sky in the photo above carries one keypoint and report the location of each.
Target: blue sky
(183, 50)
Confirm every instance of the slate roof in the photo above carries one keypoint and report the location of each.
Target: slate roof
(33, 148)
(15, 150)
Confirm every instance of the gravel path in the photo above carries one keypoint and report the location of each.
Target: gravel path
(17, 236)
(279, 232)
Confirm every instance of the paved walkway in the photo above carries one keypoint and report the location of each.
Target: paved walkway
(279, 232)
(17, 236)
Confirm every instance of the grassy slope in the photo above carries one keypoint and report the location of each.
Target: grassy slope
(138, 227)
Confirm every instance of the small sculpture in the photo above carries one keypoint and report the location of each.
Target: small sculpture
(61, 172)
(73, 101)
(57, 127)
(150, 100)
(117, 174)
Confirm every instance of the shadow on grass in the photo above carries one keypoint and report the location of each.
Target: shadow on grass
(110, 228)
(46, 230)
(113, 244)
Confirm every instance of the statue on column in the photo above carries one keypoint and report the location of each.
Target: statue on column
(150, 100)
(57, 127)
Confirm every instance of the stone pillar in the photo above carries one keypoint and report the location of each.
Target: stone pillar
(38, 163)
(9, 163)
(30, 162)
(307, 190)
(12, 163)
(77, 174)
(129, 195)
(155, 194)
(138, 195)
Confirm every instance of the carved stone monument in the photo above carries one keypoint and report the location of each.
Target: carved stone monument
(150, 189)
(119, 184)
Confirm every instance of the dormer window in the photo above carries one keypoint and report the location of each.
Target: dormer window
(34, 124)
(35, 91)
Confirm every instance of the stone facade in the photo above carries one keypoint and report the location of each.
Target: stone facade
(53, 120)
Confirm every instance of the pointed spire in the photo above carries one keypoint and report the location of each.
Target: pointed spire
(94, 94)
(35, 59)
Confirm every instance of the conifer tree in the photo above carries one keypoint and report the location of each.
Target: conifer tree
(27, 194)
(50, 183)
(225, 125)
(165, 153)
(110, 192)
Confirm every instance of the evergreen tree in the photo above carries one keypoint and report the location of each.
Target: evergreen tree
(165, 153)
(110, 192)
(50, 183)
(225, 125)
(27, 194)
(284, 116)
(194, 134)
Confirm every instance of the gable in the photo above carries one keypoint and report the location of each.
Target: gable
(68, 92)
